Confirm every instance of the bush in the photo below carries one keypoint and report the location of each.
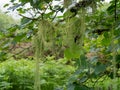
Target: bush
(19, 75)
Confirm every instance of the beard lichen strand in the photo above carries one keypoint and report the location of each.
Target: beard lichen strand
(83, 27)
(45, 36)
(75, 27)
(39, 42)
(49, 32)
(69, 33)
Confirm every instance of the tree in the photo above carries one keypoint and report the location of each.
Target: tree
(74, 30)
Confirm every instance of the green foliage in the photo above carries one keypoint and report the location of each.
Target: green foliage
(90, 38)
(72, 52)
(19, 75)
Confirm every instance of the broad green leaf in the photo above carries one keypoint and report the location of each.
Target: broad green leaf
(99, 69)
(83, 61)
(72, 52)
(68, 53)
(106, 41)
(76, 51)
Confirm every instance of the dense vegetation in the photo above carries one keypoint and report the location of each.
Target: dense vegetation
(61, 45)
(19, 75)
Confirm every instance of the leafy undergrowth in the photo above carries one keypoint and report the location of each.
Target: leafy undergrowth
(19, 75)
(55, 75)
(104, 83)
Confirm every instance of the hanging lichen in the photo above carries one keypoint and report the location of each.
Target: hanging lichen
(74, 32)
(42, 40)
(83, 26)
(69, 39)
(73, 36)
(75, 29)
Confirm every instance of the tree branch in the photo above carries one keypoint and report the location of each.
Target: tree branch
(28, 17)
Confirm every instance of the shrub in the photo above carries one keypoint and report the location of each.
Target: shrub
(19, 75)
(16, 75)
